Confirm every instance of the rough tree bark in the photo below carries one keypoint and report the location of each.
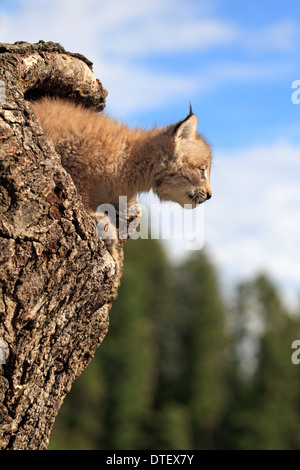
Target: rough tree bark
(57, 281)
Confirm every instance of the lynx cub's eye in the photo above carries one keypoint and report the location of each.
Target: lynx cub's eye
(203, 173)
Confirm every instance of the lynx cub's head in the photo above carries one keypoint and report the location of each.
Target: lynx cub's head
(182, 173)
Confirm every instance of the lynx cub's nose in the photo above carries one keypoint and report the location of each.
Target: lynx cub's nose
(208, 195)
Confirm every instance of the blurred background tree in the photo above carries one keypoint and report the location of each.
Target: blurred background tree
(264, 413)
(184, 367)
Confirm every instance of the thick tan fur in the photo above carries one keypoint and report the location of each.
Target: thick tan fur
(107, 159)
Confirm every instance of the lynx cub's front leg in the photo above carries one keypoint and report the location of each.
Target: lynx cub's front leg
(107, 232)
(134, 215)
(129, 215)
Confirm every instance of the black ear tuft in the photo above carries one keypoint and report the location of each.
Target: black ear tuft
(191, 111)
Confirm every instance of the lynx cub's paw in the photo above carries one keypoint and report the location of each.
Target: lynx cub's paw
(107, 232)
(134, 214)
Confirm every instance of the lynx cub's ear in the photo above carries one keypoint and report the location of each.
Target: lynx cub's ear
(187, 128)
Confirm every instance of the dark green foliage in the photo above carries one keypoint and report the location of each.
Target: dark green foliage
(182, 369)
(266, 413)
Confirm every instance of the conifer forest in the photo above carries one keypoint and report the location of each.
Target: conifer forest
(187, 365)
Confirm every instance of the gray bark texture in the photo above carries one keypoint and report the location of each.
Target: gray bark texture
(57, 280)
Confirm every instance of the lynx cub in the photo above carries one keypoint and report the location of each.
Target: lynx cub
(107, 159)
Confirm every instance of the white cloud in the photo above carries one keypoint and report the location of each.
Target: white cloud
(281, 36)
(253, 221)
(119, 37)
(160, 36)
(112, 33)
(132, 89)
(117, 27)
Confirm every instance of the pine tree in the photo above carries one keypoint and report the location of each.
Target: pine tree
(267, 414)
(197, 381)
(130, 354)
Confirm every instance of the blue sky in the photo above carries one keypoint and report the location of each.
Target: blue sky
(235, 61)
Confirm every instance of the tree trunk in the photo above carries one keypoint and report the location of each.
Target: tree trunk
(57, 280)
